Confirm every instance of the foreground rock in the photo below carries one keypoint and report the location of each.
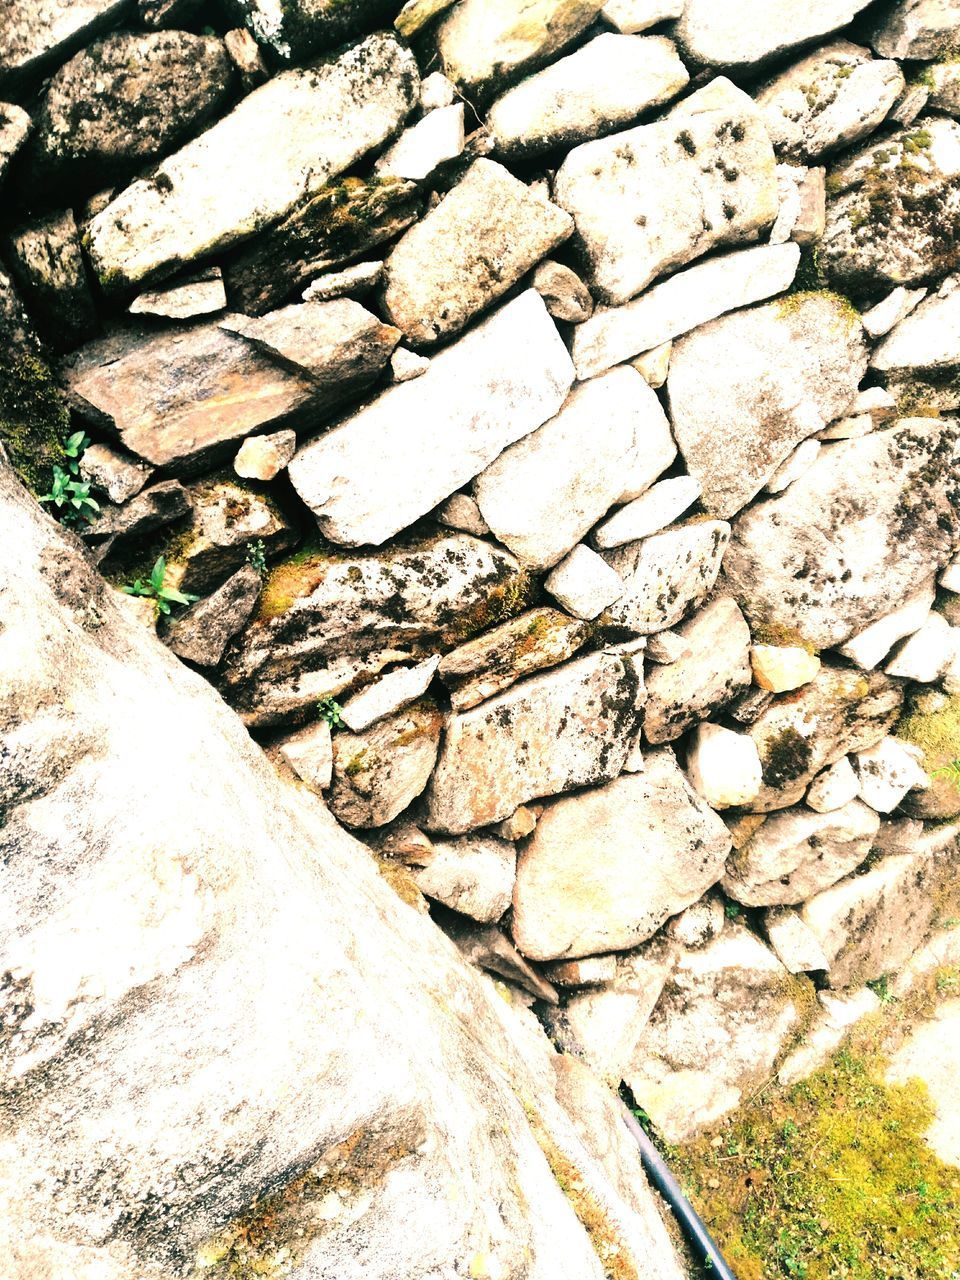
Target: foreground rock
(264, 1036)
(631, 231)
(748, 388)
(405, 452)
(850, 540)
(755, 31)
(604, 869)
(32, 35)
(567, 728)
(199, 201)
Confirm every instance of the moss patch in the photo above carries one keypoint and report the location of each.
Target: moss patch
(34, 420)
(937, 733)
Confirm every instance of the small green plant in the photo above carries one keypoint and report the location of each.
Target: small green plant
(330, 710)
(881, 988)
(732, 910)
(69, 495)
(163, 597)
(950, 771)
(256, 556)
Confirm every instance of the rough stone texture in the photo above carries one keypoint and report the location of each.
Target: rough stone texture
(796, 945)
(202, 634)
(834, 787)
(36, 33)
(182, 399)
(747, 388)
(117, 474)
(482, 237)
(724, 1018)
(887, 771)
(604, 869)
(252, 167)
(264, 457)
(666, 575)
(830, 99)
(583, 583)
(918, 359)
(780, 668)
(797, 853)
(123, 102)
(309, 753)
(607, 84)
(652, 511)
(565, 294)
(683, 302)
(889, 311)
(630, 16)
(486, 947)
(849, 540)
(379, 772)
(15, 127)
(723, 766)
(920, 29)
(399, 456)
(871, 645)
(243, 1008)
(484, 43)
(47, 264)
(799, 733)
(892, 215)
(630, 230)
(544, 493)
(473, 875)
(567, 728)
(298, 28)
(116, 528)
(752, 32)
(389, 694)
(351, 282)
(931, 1053)
(199, 294)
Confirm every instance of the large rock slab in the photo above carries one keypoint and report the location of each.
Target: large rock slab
(401, 455)
(279, 145)
(893, 212)
(849, 540)
(606, 85)
(666, 575)
(717, 186)
(747, 388)
(752, 32)
(35, 33)
(566, 728)
(683, 302)
(604, 869)
(922, 29)
(295, 29)
(798, 852)
(124, 101)
(242, 1044)
(468, 251)
(544, 493)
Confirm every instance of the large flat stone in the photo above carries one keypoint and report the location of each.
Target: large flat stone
(398, 457)
(278, 146)
(666, 575)
(751, 32)
(566, 728)
(604, 869)
(716, 186)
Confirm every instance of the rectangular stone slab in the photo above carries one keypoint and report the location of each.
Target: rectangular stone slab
(402, 454)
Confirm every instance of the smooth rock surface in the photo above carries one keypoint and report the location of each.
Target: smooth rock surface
(629, 16)
(200, 294)
(583, 583)
(723, 766)
(424, 146)
(659, 506)
(871, 645)
(264, 457)
(918, 358)
(667, 575)
(309, 753)
(887, 771)
(780, 668)
(752, 32)
(473, 875)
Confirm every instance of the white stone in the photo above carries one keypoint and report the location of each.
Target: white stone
(876, 401)
(583, 583)
(437, 91)
(803, 205)
(950, 578)
(887, 772)
(390, 693)
(834, 787)
(405, 365)
(931, 1054)
(631, 230)
(871, 645)
(798, 462)
(896, 306)
(264, 457)
(925, 655)
(631, 16)
(402, 454)
(796, 945)
(663, 503)
(917, 29)
(421, 148)
(848, 428)
(474, 875)
(351, 282)
(309, 753)
(839, 1011)
(927, 341)
(202, 296)
(944, 77)
(462, 512)
(667, 574)
(543, 494)
(724, 766)
(654, 366)
(604, 86)
(753, 31)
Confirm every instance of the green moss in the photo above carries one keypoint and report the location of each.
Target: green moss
(781, 637)
(295, 577)
(504, 600)
(34, 420)
(846, 313)
(785, 758)
(937, 733)
(916, 142)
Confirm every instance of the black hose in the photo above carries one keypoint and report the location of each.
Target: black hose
(693, 1226)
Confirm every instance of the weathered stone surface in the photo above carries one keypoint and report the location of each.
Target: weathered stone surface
(202, 634)
(781, 668)
(309, 753)
(352, 282)
(184, 398)
(798, 852)
(830, 99)
(747, 388)
(887, 771)
(892, 216)
(326, 620)
(726, 1015)
(931, 1054)
(123, 102)
(918, 359)
(252, 167)
(834, 787)
(15, 127)
(244, 53)
(200, 294)
(48, 266)
(426, 145)
(243, 1008)
(652, 511)
(712, 670)
(565, 294)
(499, 658)
(396, 458)
(487, 948)
(567, 728)
(343, 220)
(836, 1014)
(803, 205)
(921, 29)
(629, 16)
(118, 475)
(473, 875)
(755, 31)
(298, 28)
(264, 457)
(378, 773)
(484, 43)
(889, 311)
(849, 540)
(629, 230)
(588, 971)
(868, 647)
(799, 461)
(700, 923)
(666, 575)
(796, 946)
(482, 237)
(943, 79)
(606, 85)
(436, 91)
(681, 303)
(870, 924)
(799, 733)
(116, 528)
(389, 694)
(604, 869)
(544, 493)
(36, 33)
(583, 583)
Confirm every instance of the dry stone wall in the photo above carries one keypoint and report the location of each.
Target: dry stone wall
(553, 408)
